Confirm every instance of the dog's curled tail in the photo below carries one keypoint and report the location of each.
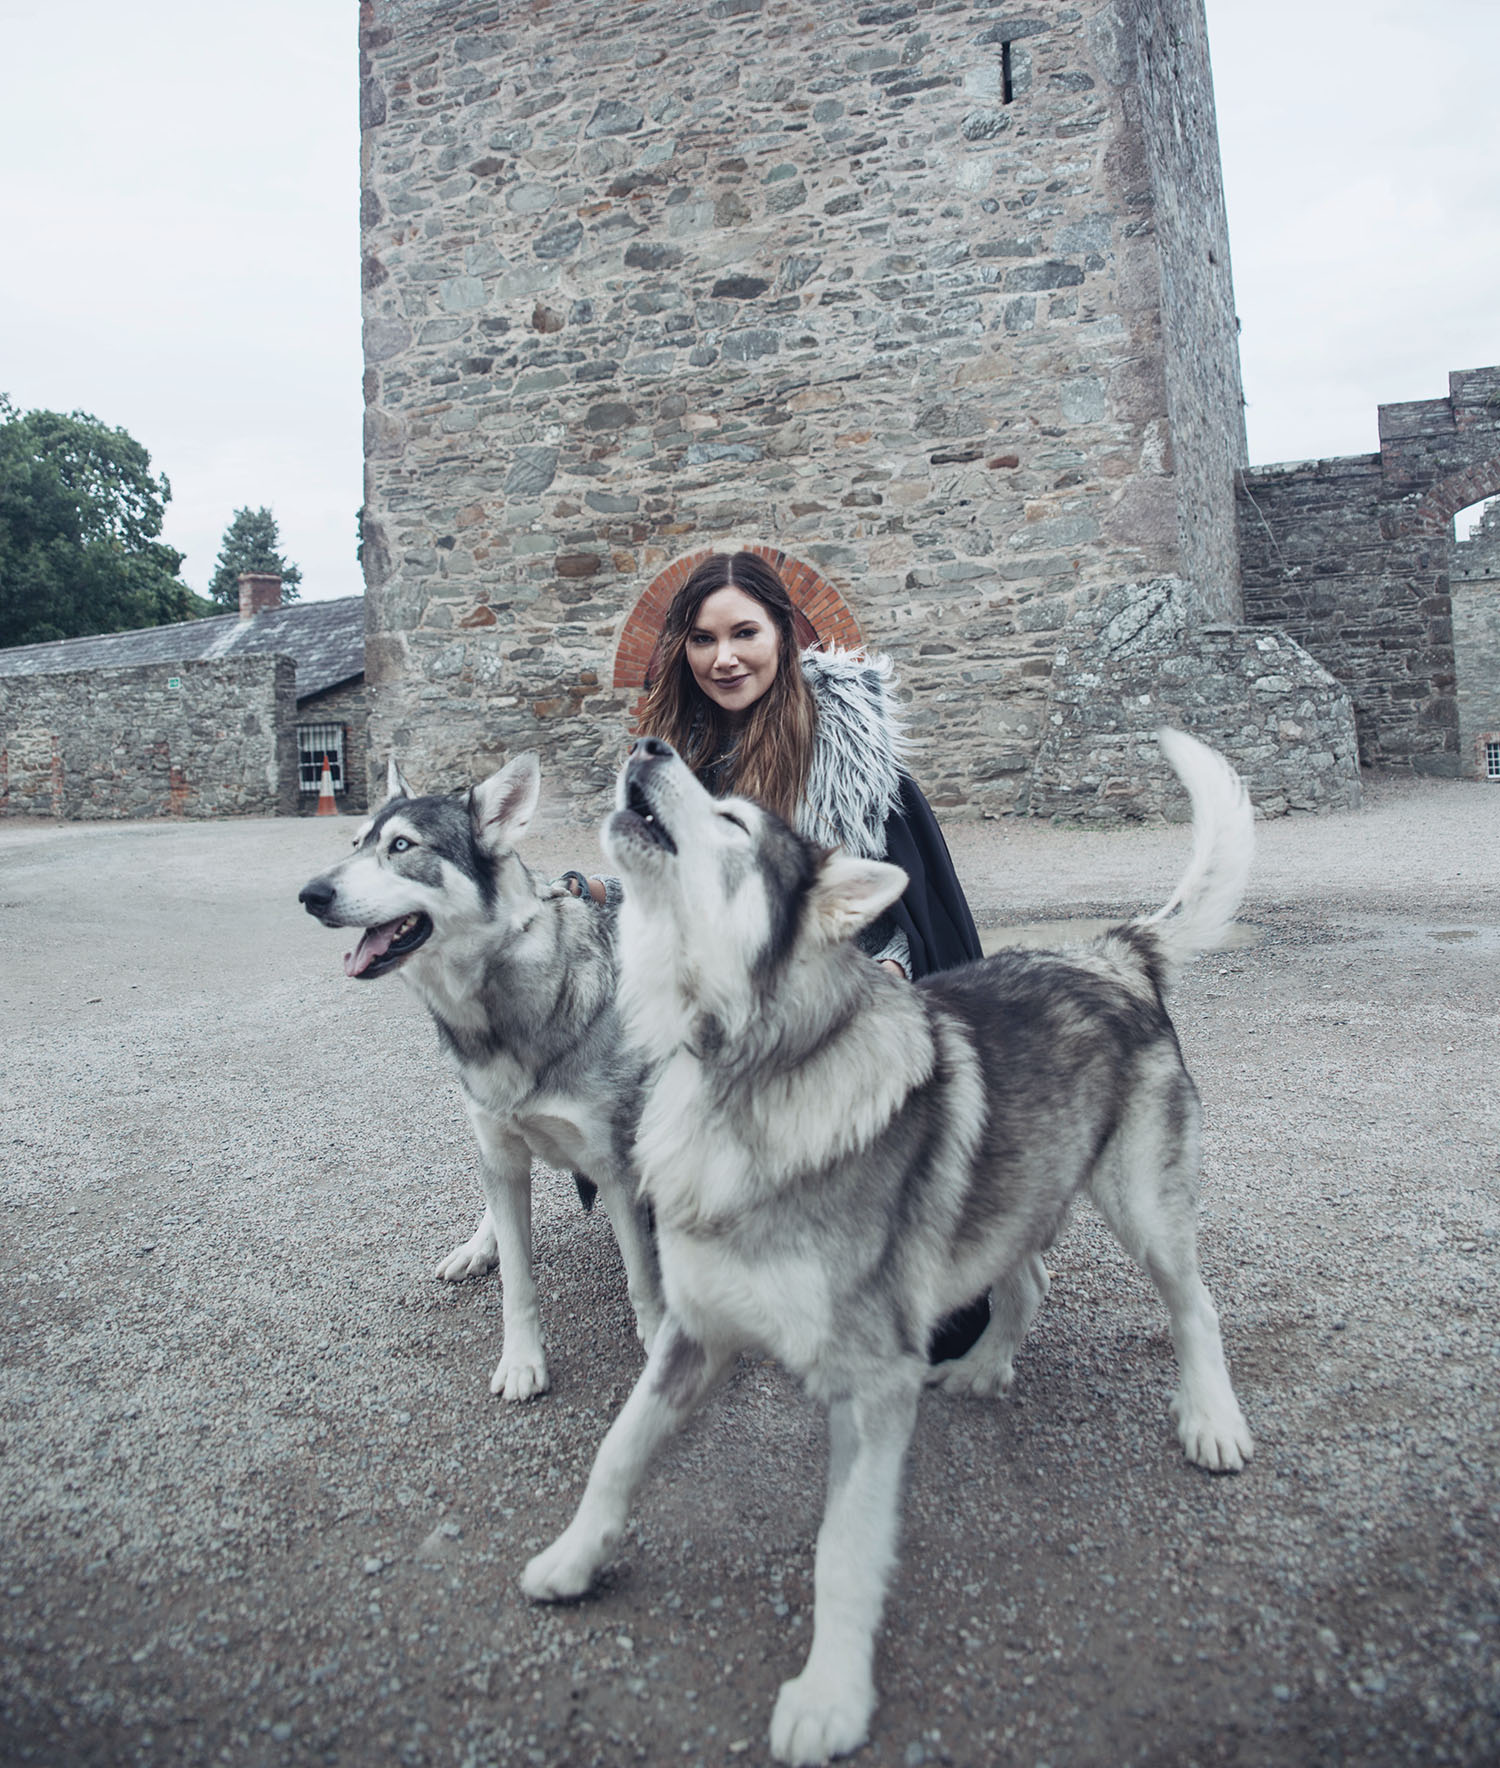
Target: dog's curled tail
(1201, 910)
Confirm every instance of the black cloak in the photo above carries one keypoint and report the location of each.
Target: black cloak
(931, 912)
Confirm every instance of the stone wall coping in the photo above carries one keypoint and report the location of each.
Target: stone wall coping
(1348, 465)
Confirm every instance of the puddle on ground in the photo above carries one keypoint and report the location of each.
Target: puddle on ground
(1478, 944)
(1049, 935)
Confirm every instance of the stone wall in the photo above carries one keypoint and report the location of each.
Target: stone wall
(200, 739)
(1252, 693)
(1319, 564)
(1352, 557)
(1200, 332)
(935, 298)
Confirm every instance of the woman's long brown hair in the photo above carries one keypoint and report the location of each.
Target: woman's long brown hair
(771, 752)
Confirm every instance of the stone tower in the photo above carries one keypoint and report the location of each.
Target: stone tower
(930, 300)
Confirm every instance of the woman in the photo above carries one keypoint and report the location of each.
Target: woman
(812, 735)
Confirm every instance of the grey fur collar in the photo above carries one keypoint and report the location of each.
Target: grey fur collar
(855, 781)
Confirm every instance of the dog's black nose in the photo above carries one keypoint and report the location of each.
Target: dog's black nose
(644, 746)
(317, 897)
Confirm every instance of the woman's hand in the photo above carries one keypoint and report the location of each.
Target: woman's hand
(895, 969)
(575, 884)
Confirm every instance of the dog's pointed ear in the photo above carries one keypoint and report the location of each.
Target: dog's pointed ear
(848, 893)
(395, 780)
(502, 805)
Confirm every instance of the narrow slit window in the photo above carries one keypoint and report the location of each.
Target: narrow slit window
(1007, 91)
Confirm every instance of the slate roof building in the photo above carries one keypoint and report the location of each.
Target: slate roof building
(230, 715)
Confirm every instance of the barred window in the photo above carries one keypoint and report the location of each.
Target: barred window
(314, 743)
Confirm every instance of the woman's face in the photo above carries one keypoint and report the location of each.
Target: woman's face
(733, 649)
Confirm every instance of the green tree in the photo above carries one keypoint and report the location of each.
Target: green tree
(251, 543)
(80, 520)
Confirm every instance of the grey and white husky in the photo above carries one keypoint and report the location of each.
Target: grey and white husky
(520, 982)
(837, 1158)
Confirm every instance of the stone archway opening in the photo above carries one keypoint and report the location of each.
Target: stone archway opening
(1435, 511)
(823, 608)
(1477, 520)
(1474, 597)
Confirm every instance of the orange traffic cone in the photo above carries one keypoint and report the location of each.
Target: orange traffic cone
(327, 803)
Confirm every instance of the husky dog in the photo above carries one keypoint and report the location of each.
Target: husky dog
(837, 1158)
(520, 982)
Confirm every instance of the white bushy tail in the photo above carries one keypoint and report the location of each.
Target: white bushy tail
(1201, 910)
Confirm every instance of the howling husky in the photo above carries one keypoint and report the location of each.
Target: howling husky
(837, 1158)
(520, 982)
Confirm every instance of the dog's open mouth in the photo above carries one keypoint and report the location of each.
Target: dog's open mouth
(638, 806)
(383, 948)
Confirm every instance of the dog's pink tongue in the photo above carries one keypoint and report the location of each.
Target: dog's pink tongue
(374, 943)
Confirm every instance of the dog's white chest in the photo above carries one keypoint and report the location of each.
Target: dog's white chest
(559, 1139)
(499, 1083)
(779, 1304)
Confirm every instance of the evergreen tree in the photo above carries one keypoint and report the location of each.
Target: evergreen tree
(251, 543)
(80, 520)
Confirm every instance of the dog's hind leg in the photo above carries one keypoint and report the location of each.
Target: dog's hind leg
(505, 1168)
(989, 1367)
(638, 1254)
(476, 1256)
(679, 1375)
(825, 1711)
(1146, 1188)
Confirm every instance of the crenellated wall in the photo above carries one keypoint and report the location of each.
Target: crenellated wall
(1353, 558)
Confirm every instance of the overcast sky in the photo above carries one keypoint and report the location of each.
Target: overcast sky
(179, 205)
(179, 224)
(1361, 152)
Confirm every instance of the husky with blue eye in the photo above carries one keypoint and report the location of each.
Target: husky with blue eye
(836, 1159)
(520, 981)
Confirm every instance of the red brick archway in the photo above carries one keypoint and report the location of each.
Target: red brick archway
(814, 595)
(1443, 501)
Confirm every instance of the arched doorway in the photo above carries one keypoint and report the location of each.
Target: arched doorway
(1461, 594)
(1474, 599)
(813, 594)
(1433, 513)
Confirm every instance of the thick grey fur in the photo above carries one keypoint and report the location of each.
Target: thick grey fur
(520, 980)
(836, 1159)
(854, 783)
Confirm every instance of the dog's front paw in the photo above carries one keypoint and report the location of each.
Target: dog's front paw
(521, 1374)
(560, 1572)
(1214, 1436)
(973, 1377)
(472, 1259)
(817, 1717)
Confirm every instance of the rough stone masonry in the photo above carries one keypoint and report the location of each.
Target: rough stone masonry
(91, 743)
(935, 298)
(1355, 557)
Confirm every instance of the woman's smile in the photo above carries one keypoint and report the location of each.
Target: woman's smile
(733, 649)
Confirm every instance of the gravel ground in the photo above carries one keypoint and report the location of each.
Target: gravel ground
(260, 1507)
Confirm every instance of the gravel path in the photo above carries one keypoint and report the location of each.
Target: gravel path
(260, 1508)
